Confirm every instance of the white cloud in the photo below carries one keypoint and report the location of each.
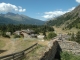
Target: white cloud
(71, 9)
(78, 1)
(7, 7)
(53, 14)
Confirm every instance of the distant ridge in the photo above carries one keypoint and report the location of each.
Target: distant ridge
(12, 18)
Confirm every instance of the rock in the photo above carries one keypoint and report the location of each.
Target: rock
(70, 46)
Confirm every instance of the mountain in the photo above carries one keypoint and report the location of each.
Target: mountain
(12, 18)
(68, 20)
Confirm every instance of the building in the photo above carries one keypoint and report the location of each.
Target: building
(26, 33)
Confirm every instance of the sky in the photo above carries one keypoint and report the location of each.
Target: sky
(38, 9)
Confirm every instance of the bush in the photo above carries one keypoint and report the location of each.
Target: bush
(7, 36)
(51, 35)
(4, 35)
(45, 38)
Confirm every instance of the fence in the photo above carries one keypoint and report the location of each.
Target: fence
(19, 55)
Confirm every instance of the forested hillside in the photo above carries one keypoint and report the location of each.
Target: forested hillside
(68, 20)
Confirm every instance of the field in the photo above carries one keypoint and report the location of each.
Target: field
(9, 46)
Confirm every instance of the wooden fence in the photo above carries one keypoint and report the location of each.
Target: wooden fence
(19, 55)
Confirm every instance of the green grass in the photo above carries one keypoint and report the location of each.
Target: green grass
(35, 54)
(69, 56)
(23, 44)
(2, 44)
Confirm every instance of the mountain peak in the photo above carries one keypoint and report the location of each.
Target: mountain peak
(14, 18)
(10, 13)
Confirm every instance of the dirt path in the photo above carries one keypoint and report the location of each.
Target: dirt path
(10, 47)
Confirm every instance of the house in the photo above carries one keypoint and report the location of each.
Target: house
(17, 32)
(26, 33)
(29, 33)
(8, 33)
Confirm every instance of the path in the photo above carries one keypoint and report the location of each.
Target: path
(10, 47)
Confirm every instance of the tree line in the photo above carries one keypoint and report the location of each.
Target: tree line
(37, 28)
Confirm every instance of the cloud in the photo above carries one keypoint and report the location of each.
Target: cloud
(78, 1)
(52, 14)
(7, 7)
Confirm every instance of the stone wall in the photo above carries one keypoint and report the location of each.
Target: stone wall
(70, 46)
(52, 52)
(56, 46)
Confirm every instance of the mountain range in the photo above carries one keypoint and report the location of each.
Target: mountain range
(12, 18)
(68, 20)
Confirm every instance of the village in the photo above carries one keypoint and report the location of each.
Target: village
(26, 34)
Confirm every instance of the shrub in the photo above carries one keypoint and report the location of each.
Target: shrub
(7, 36)
(4, 35)
(45, 38)
(51, 35)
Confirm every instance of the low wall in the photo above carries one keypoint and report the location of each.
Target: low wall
(53, 51)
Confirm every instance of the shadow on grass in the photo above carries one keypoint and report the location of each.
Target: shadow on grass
(1, 51)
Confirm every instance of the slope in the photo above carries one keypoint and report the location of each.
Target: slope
(68, 20)
(12, 18)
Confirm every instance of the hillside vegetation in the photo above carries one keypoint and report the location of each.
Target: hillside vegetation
(67, 21)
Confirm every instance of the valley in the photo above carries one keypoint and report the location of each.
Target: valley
(56, 39)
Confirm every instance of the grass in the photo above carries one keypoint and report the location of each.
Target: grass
(59, 30)
(20, 44)
(69, 56)
(23, 44)
(36, 53)
(2, 44)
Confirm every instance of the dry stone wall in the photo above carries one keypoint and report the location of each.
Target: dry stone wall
(51, 51)
(70, 46)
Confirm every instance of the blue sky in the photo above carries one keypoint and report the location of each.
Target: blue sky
(39, 9)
